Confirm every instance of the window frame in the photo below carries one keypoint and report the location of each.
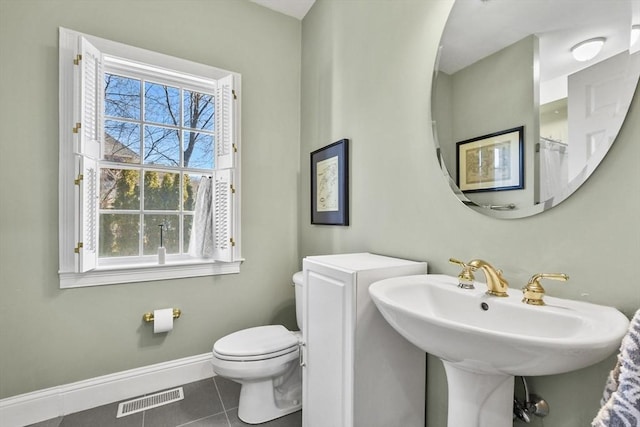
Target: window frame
(139, 269)
(126, 69)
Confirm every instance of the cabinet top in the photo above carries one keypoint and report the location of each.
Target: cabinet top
(360, 261)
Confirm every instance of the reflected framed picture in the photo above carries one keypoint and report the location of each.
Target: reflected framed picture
(493, 162)
(330, 184)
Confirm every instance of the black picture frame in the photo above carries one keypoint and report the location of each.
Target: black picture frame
(493, 162)
(330, 184)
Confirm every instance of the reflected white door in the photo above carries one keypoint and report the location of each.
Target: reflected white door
(599, 97)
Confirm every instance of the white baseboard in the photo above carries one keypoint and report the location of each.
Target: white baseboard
(66, 399)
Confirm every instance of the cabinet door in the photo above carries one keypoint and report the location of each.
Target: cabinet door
(327, 398)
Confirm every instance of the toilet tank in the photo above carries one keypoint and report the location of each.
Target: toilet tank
(297, 283)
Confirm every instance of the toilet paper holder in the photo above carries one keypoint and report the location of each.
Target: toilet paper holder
(148, 317)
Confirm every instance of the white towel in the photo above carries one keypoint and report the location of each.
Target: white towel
(201, 241)
(621, 398)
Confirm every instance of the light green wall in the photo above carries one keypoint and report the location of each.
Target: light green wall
(366, 75)
(51, 336)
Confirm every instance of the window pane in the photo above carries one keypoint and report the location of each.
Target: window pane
(187, 221)
(121, 141)
(170, 233)
(198, 110)
(161, 146)
(161, 191)
(198, 151)
(119, 235)
(119, 189)
(190, 190)
(161, 104)
(121, 97)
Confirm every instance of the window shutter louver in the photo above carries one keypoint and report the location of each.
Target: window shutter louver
(87, 213)
(224, 124)
(90, 133)
(91, 100)
(223, 241)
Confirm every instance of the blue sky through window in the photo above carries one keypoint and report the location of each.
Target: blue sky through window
(163, 105)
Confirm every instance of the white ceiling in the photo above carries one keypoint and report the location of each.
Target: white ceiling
(478, 28)
(296, 8)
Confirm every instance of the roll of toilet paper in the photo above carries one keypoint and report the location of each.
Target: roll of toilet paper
(162, 320)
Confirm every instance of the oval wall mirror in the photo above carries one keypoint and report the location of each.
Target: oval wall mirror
(528, 96)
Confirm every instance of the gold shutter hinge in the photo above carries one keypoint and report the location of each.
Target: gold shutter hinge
(77, 127)
(235, 148)
(233, 190)
(77, 248)
(78, 179)
(233, 242)
(233, 92)
(77, 59)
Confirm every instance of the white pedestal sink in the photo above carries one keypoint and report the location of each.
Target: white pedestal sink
(484, 341)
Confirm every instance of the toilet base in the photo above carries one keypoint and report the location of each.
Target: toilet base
(262, 401)
(258, 404)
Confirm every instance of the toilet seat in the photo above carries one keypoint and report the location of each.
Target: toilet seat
(258, 343)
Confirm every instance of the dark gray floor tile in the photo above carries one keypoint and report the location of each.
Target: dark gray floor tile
(103, 416)
(291, 420)
(53, 422)
(219, 420)
(229, 392)
(200, 401)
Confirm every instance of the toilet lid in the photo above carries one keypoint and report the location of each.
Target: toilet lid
(258, 341)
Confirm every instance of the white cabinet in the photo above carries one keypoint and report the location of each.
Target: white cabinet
(358, 371)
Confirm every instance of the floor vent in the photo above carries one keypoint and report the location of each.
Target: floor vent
(152, 401)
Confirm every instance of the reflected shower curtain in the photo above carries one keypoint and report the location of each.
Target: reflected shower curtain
(201, 241)
(554, 168)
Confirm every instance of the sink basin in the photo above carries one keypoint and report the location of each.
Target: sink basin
(485, 340)
(498, 335)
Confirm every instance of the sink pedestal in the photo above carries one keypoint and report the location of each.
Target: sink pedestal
(479, 400)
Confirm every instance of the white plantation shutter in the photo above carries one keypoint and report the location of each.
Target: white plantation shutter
(87, 213)
(222, 211)
(224, 123)
(223, 192)
(90, 132)
(91, 100)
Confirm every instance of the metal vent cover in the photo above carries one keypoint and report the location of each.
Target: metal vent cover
(148, 402)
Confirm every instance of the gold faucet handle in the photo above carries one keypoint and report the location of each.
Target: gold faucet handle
(534, 292)
(457, 262)
(466, 277)
(462, 264)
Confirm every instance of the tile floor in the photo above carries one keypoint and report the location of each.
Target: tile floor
(207, 403)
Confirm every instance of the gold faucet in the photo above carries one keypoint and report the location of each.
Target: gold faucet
(496, 284)
(534, 292)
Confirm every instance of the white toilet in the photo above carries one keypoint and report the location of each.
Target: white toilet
(265, 361)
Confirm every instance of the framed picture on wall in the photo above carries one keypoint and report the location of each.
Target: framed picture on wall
(330, 184)
(493, 162)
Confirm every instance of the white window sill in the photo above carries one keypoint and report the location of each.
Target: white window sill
(111, 275)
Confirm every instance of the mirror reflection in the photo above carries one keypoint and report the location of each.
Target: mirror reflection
(561, 71)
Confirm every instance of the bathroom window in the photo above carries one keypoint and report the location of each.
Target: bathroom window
(149, 165)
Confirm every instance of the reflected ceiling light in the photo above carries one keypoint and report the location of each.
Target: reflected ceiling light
(588, 49)
(635, 33)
